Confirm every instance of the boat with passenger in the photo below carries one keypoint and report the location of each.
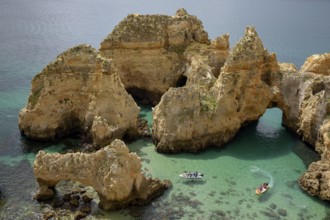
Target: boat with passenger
(192, 175)
(262, 188)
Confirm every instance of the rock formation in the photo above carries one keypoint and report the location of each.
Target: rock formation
(318, 64)
(113, 172)
(210, 112)
(316, 181)
(219, 92)
(148, 51)
(79, 91)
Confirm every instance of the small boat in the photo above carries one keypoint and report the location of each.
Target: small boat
(262, 188)
(191, 175)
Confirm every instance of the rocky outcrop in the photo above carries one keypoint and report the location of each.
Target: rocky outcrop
(318, 64)
(148, 51)
(219, 92)
(316, 181)
(314, 122)
(113, 172)
(79, 91)
(211, 112)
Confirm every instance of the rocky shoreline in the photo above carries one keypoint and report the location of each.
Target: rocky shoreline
(203, 92)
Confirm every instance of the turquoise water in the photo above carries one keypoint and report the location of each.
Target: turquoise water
(34, 32)
(263, 152)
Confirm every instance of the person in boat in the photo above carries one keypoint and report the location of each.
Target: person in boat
(263, 186)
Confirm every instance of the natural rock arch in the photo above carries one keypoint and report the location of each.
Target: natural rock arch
(210, 111)
(113, 172)
(223, 90)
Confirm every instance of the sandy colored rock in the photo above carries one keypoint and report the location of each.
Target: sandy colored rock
(73, 94)
(316, 180)
(318, 64)
(288, 68)
(148, 51)
(113, 172)
(195, 117)
(221, 91)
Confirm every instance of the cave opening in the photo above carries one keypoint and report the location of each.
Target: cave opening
(181, 81)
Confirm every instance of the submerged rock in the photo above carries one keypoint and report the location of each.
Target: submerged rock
(113, 172)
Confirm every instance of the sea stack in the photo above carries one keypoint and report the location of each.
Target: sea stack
(79, 92)
(203, 91)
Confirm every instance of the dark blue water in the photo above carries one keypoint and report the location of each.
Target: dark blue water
(34, 32)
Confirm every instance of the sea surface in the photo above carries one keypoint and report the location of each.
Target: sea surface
(34, 32)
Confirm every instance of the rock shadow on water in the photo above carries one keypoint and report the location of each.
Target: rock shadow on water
(69, 144)
(306, 153)
(210, 153)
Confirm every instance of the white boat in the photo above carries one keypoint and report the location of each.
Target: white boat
(191, 175)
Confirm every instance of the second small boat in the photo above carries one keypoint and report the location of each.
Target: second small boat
(192, 175)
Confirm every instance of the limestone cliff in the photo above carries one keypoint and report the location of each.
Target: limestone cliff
(314, 122)
(220, 90)
(207, 114)
(79, 91)
(148, 51)
(113, 172)
(316, 181)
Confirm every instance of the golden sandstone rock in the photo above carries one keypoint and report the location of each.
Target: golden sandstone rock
(220, 90)
(112, 171)
(73, 93)
(147, 50)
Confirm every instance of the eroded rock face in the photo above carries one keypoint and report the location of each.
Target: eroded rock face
(314, 122)
(148, 51)
(317, 63)
(222, 91)
(79, 91)
(113, 172)
(316, 180)
(210, 112)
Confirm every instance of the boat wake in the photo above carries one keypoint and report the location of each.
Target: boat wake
(263, 173)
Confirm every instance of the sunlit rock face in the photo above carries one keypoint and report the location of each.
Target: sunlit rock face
(148, 51)
(318, 64)
(79, 91)
(112, 171)
(306, 97)
(219, 90)
(314, 123)
(210, 111)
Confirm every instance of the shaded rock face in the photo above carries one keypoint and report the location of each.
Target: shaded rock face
(113, 172)
(148, 51)
(316, 180)
(211, 110)
(79, 91)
